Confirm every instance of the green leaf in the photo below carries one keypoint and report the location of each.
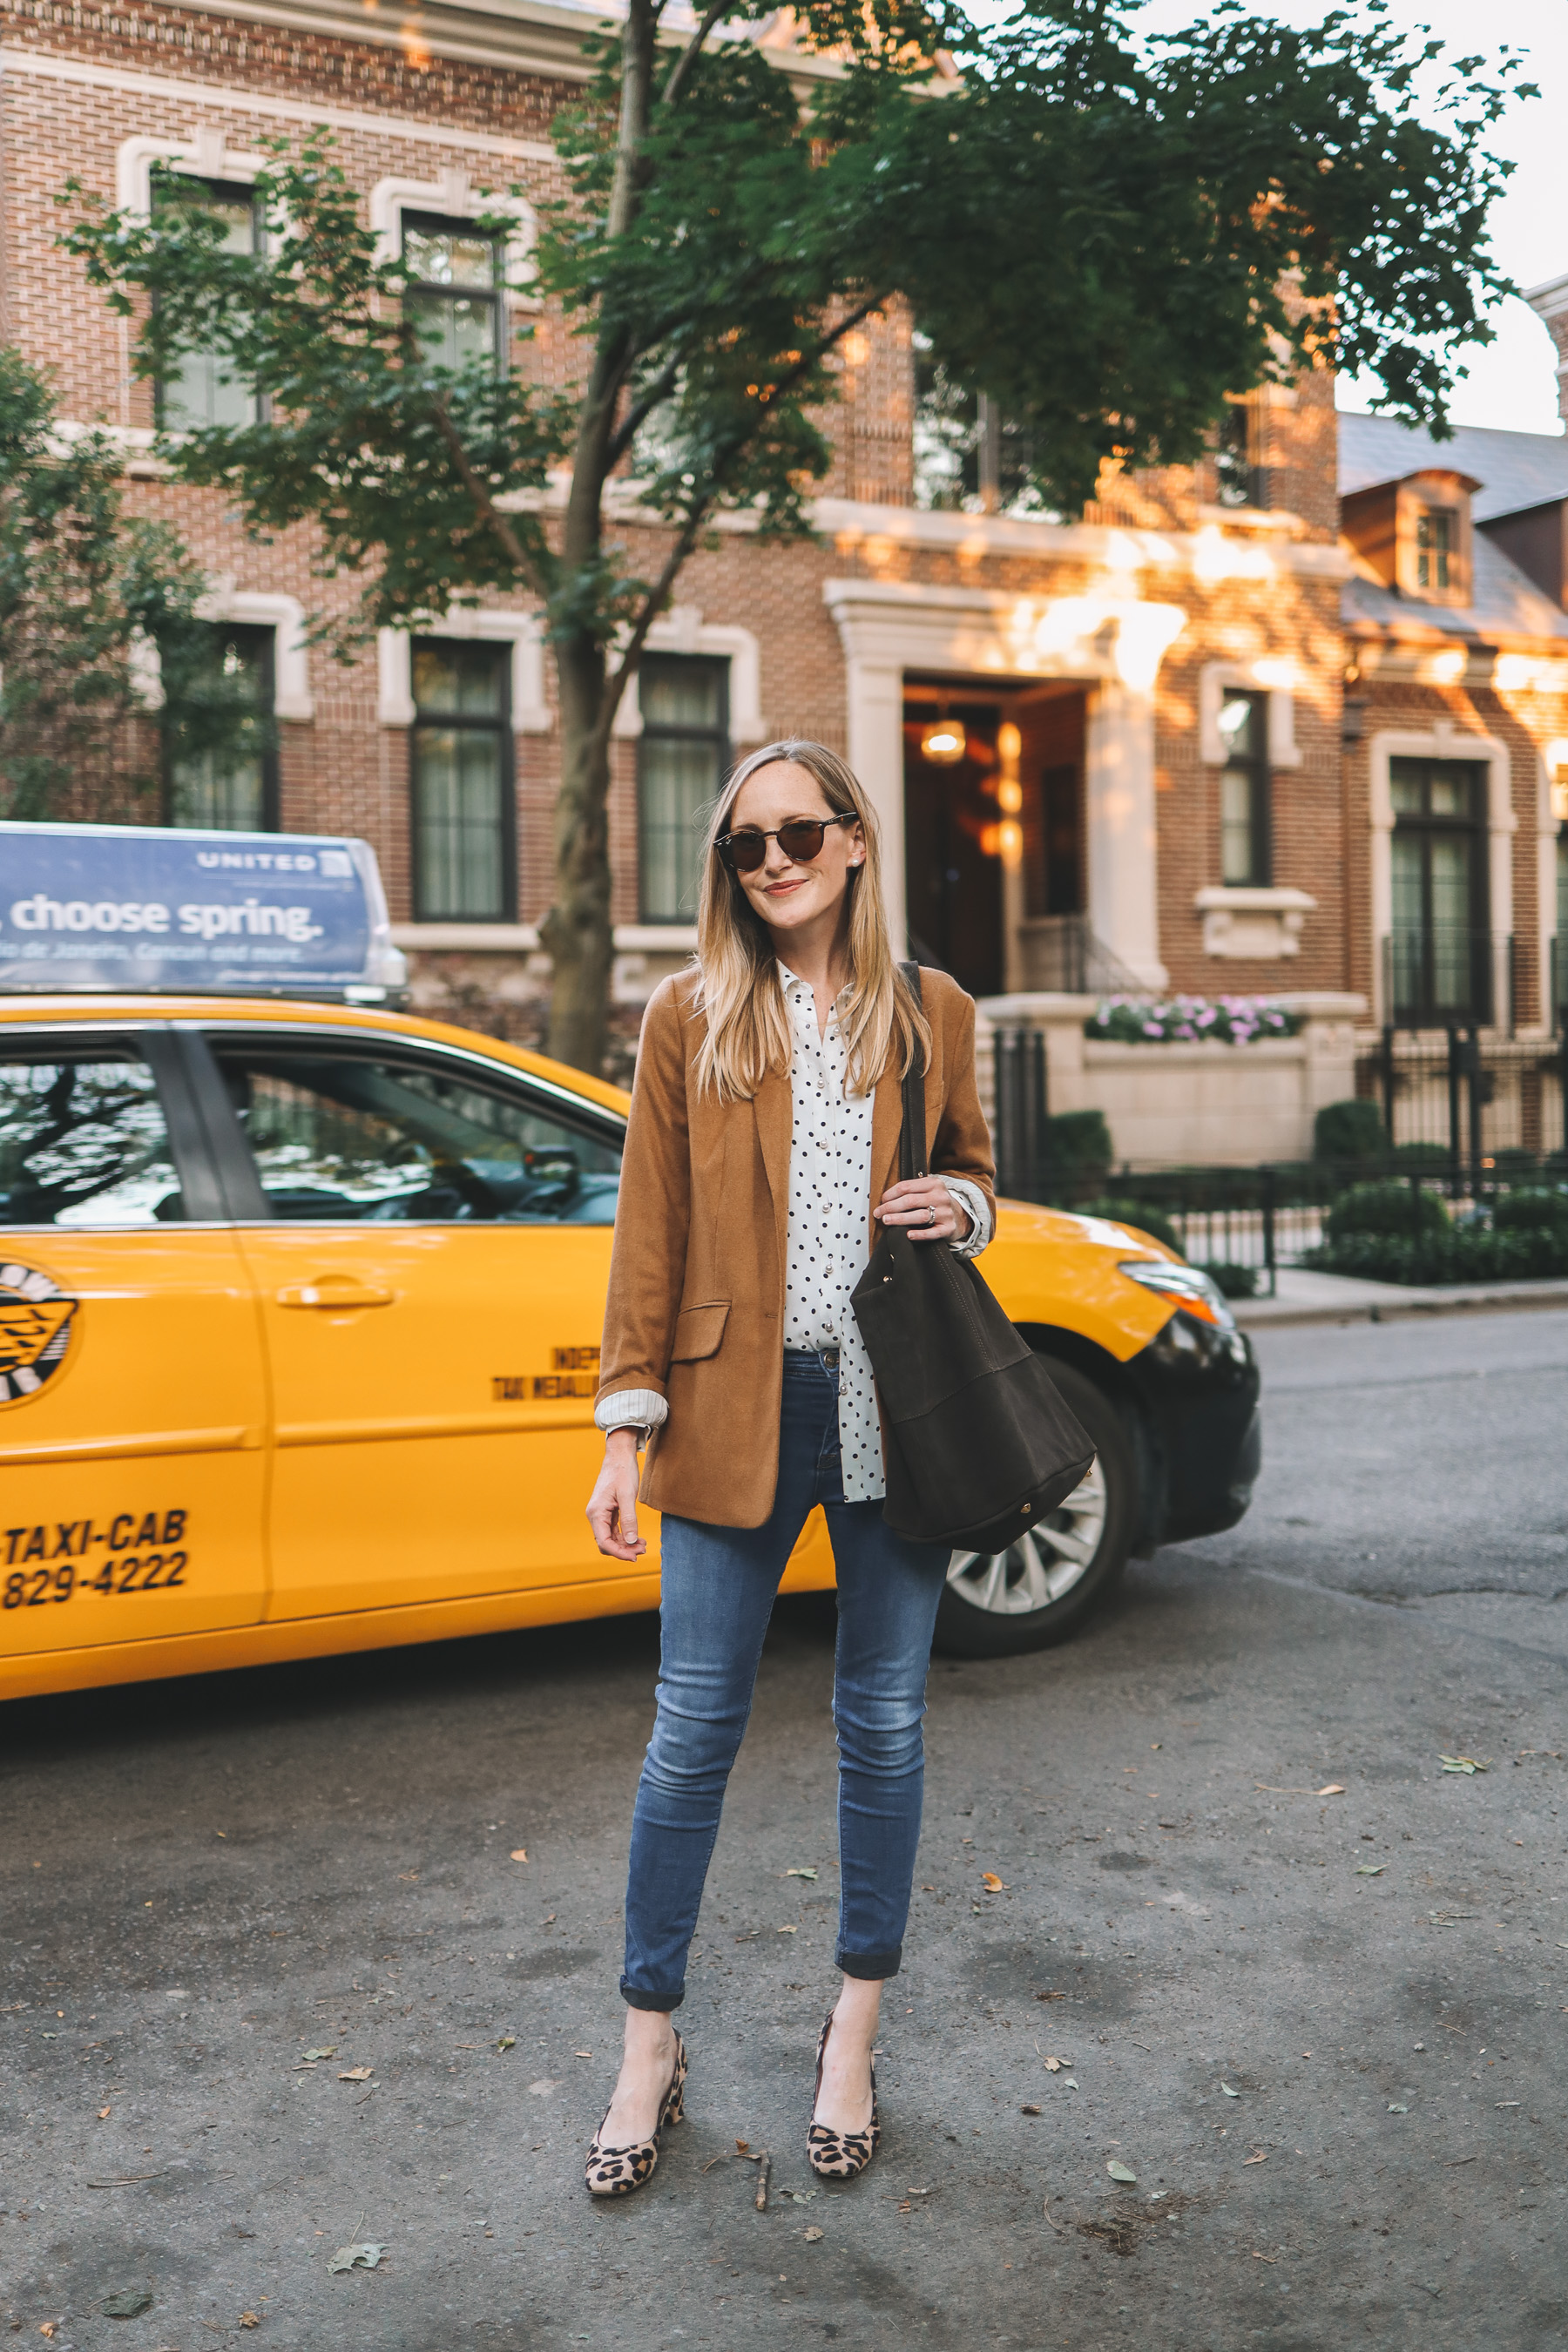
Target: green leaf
(1370, 1869)
(1120, 2171)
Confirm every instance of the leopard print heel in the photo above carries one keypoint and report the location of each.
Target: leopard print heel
(616, 2171)
(840, 2156)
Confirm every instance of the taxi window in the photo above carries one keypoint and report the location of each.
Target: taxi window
(82, 1141)
(410, 1140)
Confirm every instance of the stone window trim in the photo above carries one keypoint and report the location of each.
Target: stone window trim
(530, 711)
(250, 608)
(1252, 925)
(682, 630)
(458, 197)
(1442, 741)
(206, 155)
(1551, 824)
(1277, 679)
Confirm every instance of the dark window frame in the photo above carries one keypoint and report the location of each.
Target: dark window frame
(237, 192)
(431, 290)
(265, 637)
(1254, 766)
(1424, 826)
(500, 727)
(717, 735)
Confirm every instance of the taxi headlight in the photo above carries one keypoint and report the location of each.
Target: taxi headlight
(1187, 1285)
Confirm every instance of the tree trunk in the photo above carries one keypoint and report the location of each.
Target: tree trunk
(577, 931)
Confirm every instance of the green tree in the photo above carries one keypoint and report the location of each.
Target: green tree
(87, 597)
(1104, 233)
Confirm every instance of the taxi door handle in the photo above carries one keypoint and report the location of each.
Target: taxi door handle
(333, 1290)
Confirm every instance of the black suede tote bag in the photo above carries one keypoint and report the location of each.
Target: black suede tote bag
(979, 1443)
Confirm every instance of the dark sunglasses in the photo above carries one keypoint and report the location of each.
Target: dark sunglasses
(801, 840)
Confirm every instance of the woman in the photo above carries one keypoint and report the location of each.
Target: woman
(765, 1126)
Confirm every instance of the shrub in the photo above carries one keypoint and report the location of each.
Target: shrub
(1463, 1254)
(1535, 1209)
(1349, 1130)
(1079, 1149)
(1402, 1211)
(1429, 1158)
(1140, 1214)
(1235, 1281)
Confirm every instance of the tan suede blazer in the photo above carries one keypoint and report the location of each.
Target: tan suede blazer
(696, 1301)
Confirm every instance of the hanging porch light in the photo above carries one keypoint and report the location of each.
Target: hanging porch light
(944, 742)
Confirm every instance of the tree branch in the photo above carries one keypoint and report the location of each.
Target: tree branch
(681, 71)
(484, 503)
(637, 416)
(653, 605)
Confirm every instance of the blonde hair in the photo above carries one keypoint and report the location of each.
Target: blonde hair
(748, 1030)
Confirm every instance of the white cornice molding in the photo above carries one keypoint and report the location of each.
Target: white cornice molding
(910, 625)
(1208, 553)
(683, 630)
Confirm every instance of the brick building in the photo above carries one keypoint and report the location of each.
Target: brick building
(1203, 737)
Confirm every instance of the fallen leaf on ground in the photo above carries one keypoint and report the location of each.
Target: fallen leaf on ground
(310, 2056)
(130, 2304)
(103, 2114)
(786, 1931)
(1055, 2066)
(1120, 2171)
(250, 2319)
(507, 2042)
(1260, 2156)
(796, 2196)
(1031, 2111)
(989, 1879)
(1050, 1996)
(811, 2235)
(363, 2257)
(1334, 1788)
(1469, 1765)
(1228, 2091)
(1370, 1869)
(1263, 2258)
(356, 2073)
(406, 1877)
(764, 2166)
(1396, 2108)
(49, 2326)
(581, 2053)
(520, 1853)
(806, 1869)
(743, 2147)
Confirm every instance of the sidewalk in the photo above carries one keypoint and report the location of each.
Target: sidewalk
(1308, 1297)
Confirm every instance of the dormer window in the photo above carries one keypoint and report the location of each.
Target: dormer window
(1437, 547)
(1413, 534)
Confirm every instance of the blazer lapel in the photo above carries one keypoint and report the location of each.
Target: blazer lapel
(887, 1126)
(773, 1107)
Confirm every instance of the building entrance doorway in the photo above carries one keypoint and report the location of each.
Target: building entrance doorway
(994, 835)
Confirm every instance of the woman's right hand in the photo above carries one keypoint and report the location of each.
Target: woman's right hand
(612, 1505)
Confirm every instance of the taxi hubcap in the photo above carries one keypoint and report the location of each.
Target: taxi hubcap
(1042, 1566)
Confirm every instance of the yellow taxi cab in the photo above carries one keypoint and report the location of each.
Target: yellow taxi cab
(300, 1309)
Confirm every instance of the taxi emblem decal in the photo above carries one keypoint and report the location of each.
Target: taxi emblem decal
(35, 1320)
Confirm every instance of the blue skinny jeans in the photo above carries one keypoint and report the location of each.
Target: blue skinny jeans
(719, 1586)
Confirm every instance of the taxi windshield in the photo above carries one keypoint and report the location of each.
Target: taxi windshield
(343, 1133)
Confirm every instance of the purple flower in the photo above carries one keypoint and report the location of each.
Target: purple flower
(1153, 1029)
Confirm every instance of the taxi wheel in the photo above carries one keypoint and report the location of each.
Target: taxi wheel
(1042, 1588)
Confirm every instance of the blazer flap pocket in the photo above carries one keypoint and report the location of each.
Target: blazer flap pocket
(697, 1331)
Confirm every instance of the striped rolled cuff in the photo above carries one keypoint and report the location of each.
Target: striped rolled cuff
(643, 1409)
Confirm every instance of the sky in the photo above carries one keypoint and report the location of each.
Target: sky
(1512, 383)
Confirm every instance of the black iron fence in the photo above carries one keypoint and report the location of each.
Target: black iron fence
(1435, 974)
(1472, 1120)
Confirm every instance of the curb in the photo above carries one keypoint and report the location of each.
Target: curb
(1404, 1310)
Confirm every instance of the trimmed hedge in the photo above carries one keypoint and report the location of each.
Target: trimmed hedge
(1392, 1208)
(1349, 1130)
(1531, 1209)
(1462, 1254)
(1233, 1281)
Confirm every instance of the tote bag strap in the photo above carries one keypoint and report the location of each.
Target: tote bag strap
(912, 1142)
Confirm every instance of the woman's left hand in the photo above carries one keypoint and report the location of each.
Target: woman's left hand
(925, 1206)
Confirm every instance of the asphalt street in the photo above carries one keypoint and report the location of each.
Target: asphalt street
(1325, 2032)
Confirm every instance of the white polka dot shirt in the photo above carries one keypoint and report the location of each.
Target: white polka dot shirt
(827, 1249)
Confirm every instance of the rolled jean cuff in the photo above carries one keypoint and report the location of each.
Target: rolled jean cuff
(635, 1997)
(871, 1966)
